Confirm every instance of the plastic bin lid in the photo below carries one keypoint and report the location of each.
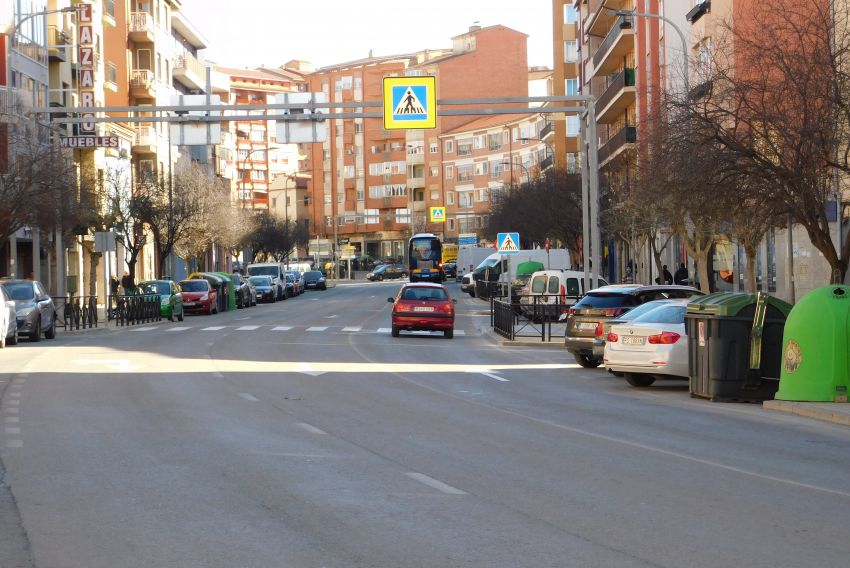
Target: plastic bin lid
(730, 304)
(528, 267)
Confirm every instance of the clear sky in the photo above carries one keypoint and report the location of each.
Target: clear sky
(250, 33)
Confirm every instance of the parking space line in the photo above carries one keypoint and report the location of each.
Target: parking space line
(434, 483)
(318, 328)
(248, 328)
(213, 328)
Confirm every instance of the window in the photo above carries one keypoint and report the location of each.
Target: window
(495, 141)
(433, 147)
(464, 147)
(361, 195)
(465, 200)
(450, 146)
(450, 172)
(570, 51)
(482, 168)
(112, 73)
(259, 175)
(571, 87)
(496, 169)
(570, 14)
(348, 172)
(479, 142)
(451, 223)
(435, 195)
(465, 172)
(450, 198)
(572, 126)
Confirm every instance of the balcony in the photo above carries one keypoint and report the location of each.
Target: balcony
(142, 28)
(546, 130)
(547, 163)
(617, 44)
(189, 72)
(416, 182)
(419, 206)
(416, 155)
(147, 140)
(617, 144)
(57, 44)
(617, 97)
(698, 11)
(599, 20)
(142, 84)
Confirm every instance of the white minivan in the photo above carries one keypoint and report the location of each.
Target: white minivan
(273, 269)
(551, 291)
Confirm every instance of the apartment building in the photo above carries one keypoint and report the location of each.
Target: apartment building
(260, 157)
(563, 133)
(482, 158)
(372, 186)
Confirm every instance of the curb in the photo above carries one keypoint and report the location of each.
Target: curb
(819, 411)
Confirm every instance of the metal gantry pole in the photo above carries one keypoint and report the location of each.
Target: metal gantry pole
(585, 201)
(593, 165)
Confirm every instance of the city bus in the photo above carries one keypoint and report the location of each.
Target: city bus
(425, 258)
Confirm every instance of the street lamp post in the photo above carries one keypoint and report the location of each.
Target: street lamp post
(685, 50)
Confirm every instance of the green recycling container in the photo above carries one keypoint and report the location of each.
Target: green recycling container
(231, 290)
(719, 328)
(816, 347)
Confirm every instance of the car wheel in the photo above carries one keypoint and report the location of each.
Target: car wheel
(51, 333)
(587, 361)
(449, 333)
(395, 331)
(639, 380)
(36, 336)
(379, 277)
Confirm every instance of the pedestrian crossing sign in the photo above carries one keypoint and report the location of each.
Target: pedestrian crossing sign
(438, 214)
(410, 102)
(508, 243)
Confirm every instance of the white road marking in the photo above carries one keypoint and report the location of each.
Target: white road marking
(213, 328)
(383, 330)
(248, 328)
(13, 410)
(282, 328)
(179, 328)
(488, 374)
(434, 483)
(13, 402)
(12, 419)
(15, 394)
(250, 397)
(352, 328)
(310, 428)
(318, 328)
(307, 369)
(13, 430)
(14, 443)
(460, 332)
(245, 318)
(148, 328)
(331, 317)
(120, 365)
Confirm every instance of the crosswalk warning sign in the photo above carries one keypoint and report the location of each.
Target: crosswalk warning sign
(410, 103)
(508, 243)
(438, 214)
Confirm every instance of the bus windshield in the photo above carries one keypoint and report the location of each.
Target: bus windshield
(425, 257)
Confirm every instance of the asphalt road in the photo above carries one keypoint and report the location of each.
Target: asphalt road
(301, 434)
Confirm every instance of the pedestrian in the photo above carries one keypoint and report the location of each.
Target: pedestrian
(127, 283)
(668, 278)
(681, 276)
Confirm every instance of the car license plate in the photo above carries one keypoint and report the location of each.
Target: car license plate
(188, 304)
(423, 309)
(634, 340)
(586, 325)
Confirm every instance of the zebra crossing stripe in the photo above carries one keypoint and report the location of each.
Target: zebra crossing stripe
(282, 328)
(149, 328)
(248, 328)
(179, 328)
(213, 328)
(383, 330)
(352, 328)
(317, 328)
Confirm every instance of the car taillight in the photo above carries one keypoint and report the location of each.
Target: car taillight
(598, 331)
(446, 308)
(613, 312)
(571, 311)
(612, 337)
(666, 338)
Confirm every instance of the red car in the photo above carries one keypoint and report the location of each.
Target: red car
(199, 296)
(423, 306)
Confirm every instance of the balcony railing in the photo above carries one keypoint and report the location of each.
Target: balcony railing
(141, 22)
(146, 136)
(188, 62)
(141, 79)
(547, 162)
(623, 79)
(698, 11)
(625, 136)
(622, 23)
(546, 130)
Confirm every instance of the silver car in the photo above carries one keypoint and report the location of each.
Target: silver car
(34, 309)
(8, 320)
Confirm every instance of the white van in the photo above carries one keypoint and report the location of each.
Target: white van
(273, 269)
(555, 289)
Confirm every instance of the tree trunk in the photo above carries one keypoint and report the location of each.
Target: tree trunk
(750, 282)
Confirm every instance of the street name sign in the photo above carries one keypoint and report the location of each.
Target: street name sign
(467, 239)
(410, 103)
(508, 243)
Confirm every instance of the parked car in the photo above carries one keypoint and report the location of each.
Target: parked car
(315, 279)
(170, 300)
(651, 345)
(423, 306)
(266, 288)
(243, 293)
(199, 296)
(550, 292)
(387, 271)
(467, 284)
(450, 269)
(8, 320)
(298, 279)
(290, 286)
(252, 291)
(609, 302)
(604, 326)
(35, 313)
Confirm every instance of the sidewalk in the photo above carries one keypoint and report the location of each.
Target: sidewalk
(835, 412)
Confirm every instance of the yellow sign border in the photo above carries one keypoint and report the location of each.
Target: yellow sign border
(430, 83)
(443, 219)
